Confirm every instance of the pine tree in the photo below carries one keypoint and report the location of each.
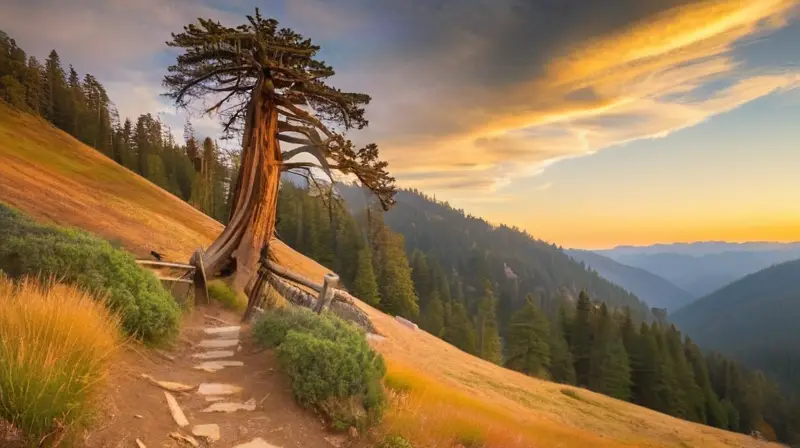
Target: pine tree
(528, 341)
(643, 356)
(458, 328)
(433, 316)
(395, 285)
(581, 341)
(615, 372)
(562, 366)
(55, 101)
(669, 398)
(33, 85)
(603, 332)
(421, 275)
(708, 407)
(365, 287)
(489, 344)
(75, 106)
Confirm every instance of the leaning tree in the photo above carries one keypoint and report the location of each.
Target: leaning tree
(266, 84)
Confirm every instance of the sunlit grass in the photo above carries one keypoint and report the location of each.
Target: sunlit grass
(430, 413)
(56, 345)
(220, 291)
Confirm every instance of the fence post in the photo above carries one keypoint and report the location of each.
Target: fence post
(327, 292)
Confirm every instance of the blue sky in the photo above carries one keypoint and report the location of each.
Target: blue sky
(588, 123)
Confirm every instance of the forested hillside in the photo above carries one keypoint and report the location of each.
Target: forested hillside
(754, 320)
(654, 290)
(194, 170)
(573, 340)
(471, 252)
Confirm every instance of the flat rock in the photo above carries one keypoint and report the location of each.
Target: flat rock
(218, 343)
(176, 411)
(223, 332)
(215, 354)
(208, 432)
(249, 405)
(213, 399)
(168, 385)
(258, 442)
(218, 389)
(213, 366)
(140, 444)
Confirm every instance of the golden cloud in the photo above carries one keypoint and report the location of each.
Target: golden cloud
(643, 82)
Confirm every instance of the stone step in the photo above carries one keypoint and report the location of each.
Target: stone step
(249, 405)
(218, 389)
(213, 366)
(218, 343)
(214, 354)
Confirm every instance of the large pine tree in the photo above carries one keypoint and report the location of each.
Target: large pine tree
(528, 341)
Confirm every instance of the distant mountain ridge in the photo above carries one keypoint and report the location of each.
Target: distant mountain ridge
(702, 268)
(699, 248)
(754, 319)
(652, 289)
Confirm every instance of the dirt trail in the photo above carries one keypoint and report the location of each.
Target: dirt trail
(136, 409)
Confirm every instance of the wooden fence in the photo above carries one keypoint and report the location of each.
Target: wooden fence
(295, 288)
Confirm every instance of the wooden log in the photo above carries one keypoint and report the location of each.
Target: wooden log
(165, 264)
(326, 294)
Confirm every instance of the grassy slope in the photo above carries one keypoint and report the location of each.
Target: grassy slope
(54, 178)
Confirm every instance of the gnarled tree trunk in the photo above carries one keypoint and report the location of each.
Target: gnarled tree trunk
(252, 220)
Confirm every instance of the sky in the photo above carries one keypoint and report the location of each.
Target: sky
(588, 123)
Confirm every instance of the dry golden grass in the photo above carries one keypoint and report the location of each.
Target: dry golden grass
(56, 345)
(452, 394)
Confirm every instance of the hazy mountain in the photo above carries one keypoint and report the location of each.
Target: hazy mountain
(700, 248)
(701, 268)
(754, 319)
(654, 290)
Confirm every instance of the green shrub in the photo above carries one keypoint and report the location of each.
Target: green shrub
(220, 291)
(76, 257)
(331, 366)
(395, 442)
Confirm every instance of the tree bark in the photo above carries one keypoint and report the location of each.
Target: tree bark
(255, 198)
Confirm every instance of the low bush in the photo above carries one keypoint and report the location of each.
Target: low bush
(56, 345)
(331, 366)
(220, 291)
(395, 442)
(29, 249)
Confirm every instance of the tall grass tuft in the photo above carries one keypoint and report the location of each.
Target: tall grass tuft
(56, 346)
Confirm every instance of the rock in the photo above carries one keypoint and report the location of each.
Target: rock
(168, 385)
(223, 332)
(249, 405)
(175, 410)
(375, 337)
(214, 354)
(140, 444)
(182, 438)
(213, 366)
(258, 442)
(407, 323)
(352, 432)
(218, 343)
(138, 416)
(218, 389)
(208, 432)
(213, 399)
